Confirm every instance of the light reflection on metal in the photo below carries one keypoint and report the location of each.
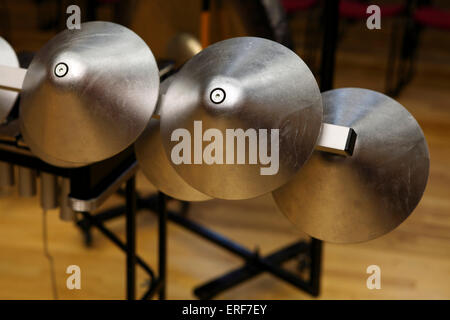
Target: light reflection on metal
(88, 94)
(266, 86)
(359, 198)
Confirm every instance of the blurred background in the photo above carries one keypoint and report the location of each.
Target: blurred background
(408, 58)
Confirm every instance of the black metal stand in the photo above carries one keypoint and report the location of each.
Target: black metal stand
(157, 283)
(131, 237)
(162, 244)
(308, 252)
(254, 263)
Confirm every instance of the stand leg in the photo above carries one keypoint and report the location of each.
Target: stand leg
(162, 221)
(249, 256)
(214, 287)
(316, 259)
(131, 237)
(331, 14)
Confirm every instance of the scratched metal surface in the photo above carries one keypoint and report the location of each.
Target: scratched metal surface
(267, 86)
(100, 106)
(154, 163)
(358, 198)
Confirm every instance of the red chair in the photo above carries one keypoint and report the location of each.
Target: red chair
(433, 18)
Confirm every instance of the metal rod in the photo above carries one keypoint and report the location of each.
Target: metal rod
(155, 287)
(131, 238)
(254, 262)
(49, 191)
(316, 266)
(331, 18)
(207, 234)
(65, 212)
(96, 221)
(27, 182)
(240, 251)
(92, 220)
(162, 245)
(6, 174)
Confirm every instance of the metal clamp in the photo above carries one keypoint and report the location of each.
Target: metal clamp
(336, 139)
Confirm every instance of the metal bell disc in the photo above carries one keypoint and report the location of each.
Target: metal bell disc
(243, 83)
(364, 196)
(183, 47)
(45, 157)
(156, 167)
(8, 98)
(89, 93)
(155, 164)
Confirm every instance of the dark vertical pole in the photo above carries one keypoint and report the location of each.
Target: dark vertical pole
(331, 19)
(205, 23)
(162, 244)
(91, 10)
(131, 237)
(315, 248)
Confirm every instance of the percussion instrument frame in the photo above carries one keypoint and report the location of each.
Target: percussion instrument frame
(99, 180)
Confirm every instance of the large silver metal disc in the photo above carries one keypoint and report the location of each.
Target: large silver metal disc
(88, 94)
(155, 164)
(8, 98)
(359, 198)
(250, 84)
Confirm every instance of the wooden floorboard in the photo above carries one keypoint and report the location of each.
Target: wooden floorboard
(414, 259)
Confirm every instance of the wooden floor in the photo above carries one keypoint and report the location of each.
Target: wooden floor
(414, 259)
